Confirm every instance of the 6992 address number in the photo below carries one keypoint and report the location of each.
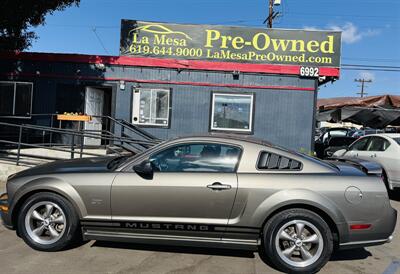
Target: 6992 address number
(309, 72)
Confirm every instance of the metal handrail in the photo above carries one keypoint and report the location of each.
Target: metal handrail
(112, 137)
(41, 146)
(82, 134)
(123, 139)
(124, 124)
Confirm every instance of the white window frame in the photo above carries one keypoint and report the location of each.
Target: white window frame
(15, 92)
(250, 129)
(136, 107)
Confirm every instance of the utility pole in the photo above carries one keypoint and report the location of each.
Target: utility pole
(271, 13)
(362, 81)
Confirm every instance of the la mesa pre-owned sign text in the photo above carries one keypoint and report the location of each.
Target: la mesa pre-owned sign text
(235, 44)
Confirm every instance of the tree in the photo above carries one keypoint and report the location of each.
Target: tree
(18, 16)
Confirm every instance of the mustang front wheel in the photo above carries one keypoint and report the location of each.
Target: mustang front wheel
(298, 240)
(48, 222)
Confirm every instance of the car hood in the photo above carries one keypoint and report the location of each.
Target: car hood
(97, 164)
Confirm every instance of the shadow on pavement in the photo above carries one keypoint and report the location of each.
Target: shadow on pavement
(351, 254)
(177, 249)
(342, 255)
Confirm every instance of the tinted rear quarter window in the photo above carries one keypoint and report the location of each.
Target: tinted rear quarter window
(272, 161)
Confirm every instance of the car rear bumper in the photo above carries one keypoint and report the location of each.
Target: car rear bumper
(359, 244)
(378, 235)
(5, 216)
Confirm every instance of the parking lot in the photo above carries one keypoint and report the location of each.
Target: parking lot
(103, 257)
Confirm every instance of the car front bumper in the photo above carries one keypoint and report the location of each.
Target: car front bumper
(4, 206)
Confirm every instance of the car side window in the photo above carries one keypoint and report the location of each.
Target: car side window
(377, 144)
(272, 161)
(196, 157)
(360, 145)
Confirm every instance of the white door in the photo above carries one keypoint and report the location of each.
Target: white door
(376, 149)
(357, 149)
(94, 101)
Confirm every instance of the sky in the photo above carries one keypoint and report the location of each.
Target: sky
(371, 30)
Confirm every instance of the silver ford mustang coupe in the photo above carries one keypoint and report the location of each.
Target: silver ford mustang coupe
(211, 191)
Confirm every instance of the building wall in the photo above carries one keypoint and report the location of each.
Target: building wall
(282, 116)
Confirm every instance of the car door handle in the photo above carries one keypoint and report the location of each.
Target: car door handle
(373, 155)
(219, 186)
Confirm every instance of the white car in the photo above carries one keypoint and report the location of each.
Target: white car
(383, 148)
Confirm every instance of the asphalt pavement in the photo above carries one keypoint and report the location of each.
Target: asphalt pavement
(105, 257)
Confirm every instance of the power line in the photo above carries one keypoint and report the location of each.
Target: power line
(371, 69)
(370, 66)
(100, 41)
(379, 60)
(346, 15)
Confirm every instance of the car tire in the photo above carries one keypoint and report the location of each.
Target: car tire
(48, 222)
(291, 253)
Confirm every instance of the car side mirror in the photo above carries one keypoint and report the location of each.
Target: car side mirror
(340, 152)
(144, 170)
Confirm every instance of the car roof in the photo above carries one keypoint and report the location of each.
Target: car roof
(237, 137)
(226, 136)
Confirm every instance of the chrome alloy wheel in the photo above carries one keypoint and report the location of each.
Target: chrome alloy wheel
(45, 222)
(299, 243)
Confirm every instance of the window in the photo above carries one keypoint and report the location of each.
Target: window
(197, 158)
(334, 133)
(397, 140)
(377, 144)
(232, 112)
(272, 161)
(360, 145)
(15, 99)
(340, 141)
(151, 107)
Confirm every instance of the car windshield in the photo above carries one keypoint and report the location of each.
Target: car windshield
(114, 163)
(315, 160)
(129, 159)
(307, 157)
(397, 140)
(340, 141)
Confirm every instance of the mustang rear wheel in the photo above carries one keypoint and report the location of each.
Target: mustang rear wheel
(48, 222)
(297, 240)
